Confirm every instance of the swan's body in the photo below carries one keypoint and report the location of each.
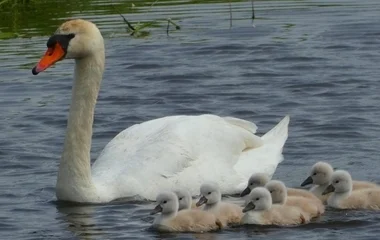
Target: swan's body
(320, 176)
(344, 197)
(227, 213)
(166, 153)
(279, 194)
(260, 210)
(186, 220)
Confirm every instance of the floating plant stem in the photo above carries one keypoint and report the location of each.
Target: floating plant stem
(124, 19)
(230, 14)
(253, 10)
(253, 14)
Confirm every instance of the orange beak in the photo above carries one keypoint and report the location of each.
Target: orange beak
(51, 56)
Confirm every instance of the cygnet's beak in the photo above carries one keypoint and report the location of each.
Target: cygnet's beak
(250, 206)
(245, 192)
(157, 209)
(52, 55)
(201, 201)
(330, 188)
(308, 181)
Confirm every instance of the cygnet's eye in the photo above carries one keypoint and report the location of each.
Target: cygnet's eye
(314, 174)
(165, 202)
(251, 184)
(271, 191)
(209, 193)
(180, 199)
(337, 181)
(257, 199)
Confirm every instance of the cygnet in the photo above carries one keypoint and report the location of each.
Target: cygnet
(260, 210)
(170, 220)
(228, 213)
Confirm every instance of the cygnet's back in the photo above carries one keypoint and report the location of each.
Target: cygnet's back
(228, 213)
(260, 211)
(312, 207)
(171, 220)
(344, 197)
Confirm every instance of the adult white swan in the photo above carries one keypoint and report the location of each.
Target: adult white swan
(165, 153)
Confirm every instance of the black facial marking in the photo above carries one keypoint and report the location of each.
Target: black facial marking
(62, 39)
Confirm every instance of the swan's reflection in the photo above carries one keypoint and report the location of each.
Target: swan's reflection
(80, 219)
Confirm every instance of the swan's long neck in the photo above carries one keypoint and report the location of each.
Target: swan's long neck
(74, 181)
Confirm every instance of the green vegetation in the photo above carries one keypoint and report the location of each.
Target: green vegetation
(28, 18)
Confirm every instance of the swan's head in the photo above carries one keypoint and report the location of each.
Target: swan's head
(184, 199)
(256, 180)
(74, 39)
(210, 194)
(320, 174)
(259, 200)
(277, 190)
(167, 203)
(341, 182)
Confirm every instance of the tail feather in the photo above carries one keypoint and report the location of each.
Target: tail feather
(247, 125)
(264, 159)
(278, 134)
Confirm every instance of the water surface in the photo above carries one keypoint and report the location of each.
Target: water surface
(315, 60)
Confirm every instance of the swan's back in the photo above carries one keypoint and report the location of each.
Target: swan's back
(189, 146)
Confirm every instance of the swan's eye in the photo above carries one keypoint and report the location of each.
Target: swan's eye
(180, 199)
(209, 193)
(271, 191)
(314, 174)
(251, 184)
(337, 181)
(257, 199)
(165, 202)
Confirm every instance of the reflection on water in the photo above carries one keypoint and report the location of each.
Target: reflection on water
(80, 219)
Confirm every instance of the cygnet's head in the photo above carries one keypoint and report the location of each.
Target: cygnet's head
(74, 39)
(320, 174)
(341, 182)
(167, 203)
(259, 200)
(184, 199)
(278, 191)
(210, 194)
(256, 180)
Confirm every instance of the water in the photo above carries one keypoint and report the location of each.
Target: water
(315, 60)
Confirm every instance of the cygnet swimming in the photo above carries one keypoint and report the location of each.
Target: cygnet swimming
(320, 176)
(228, 213)
(277, 189)
(261, 211)
(185, 200)
(344, 197)
(170, 220)
(260, 179)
